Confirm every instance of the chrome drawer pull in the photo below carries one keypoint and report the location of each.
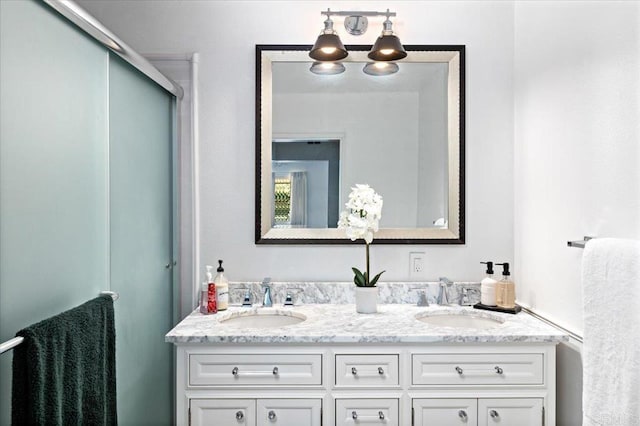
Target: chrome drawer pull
(239, 416)
(354, 416)
(463, 415)
(354, 371)
(494, 414)
(380, 371)
(499, 370)
(272, 415)
(459, 370)
(274, 372)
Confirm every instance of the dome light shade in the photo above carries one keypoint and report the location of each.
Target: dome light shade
(328, 47)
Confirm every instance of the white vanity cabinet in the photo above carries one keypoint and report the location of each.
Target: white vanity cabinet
(330, 384)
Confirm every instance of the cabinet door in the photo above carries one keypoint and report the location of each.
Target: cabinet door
(510, 412)
(370, 411)
(445, 412)
(289, 412)
(223, 412)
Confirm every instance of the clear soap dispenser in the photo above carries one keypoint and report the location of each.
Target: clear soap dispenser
(208, 302)
(505, 289)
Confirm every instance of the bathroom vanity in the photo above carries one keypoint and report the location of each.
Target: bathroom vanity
(325, 365)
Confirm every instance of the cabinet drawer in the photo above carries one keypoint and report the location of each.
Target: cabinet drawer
(367, 370)
(477, 369)
(368, 411)
(271, 369)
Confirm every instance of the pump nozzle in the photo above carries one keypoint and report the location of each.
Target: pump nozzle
(505, 269)
(209, 273)
(220, 268)
(489, 267)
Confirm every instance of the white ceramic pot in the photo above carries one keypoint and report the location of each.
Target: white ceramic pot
(366, 300)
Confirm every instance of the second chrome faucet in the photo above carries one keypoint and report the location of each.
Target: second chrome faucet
(267, 300)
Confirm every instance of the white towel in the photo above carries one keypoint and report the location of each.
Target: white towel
(611, 350)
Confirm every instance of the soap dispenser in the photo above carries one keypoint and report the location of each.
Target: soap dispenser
(488, 287)
(505, 289)
(208, 304)
(222, 288)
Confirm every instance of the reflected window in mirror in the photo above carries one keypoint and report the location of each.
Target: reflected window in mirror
(313, 166)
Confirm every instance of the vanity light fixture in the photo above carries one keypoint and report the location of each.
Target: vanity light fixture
(328, 46)
(327, 68)
(380, 68)
(387, 46)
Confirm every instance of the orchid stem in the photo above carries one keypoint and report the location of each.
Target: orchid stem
(368, 276)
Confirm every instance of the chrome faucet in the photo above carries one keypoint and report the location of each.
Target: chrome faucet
(443, 294)
(267, 301)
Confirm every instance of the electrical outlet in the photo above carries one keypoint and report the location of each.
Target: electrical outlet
(416, 265)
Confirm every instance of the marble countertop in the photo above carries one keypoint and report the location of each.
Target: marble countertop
(339, 323)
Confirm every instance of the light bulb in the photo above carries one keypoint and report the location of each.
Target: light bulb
(328, 50)
(386, 51)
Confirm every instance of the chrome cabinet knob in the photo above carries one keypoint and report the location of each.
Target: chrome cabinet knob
(380, 415)
(354, 415)
(380, 371)
(354, 371)
(275, 371)
(234, 371)
(272, 415)
(494, 414)
(499, 370)
(239, 416)
(459, 370)
(463, 415)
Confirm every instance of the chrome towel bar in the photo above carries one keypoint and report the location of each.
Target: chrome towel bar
(12, 343)
(579, 244)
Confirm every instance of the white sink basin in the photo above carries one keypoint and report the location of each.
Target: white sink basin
(460, 320)
(263, 319)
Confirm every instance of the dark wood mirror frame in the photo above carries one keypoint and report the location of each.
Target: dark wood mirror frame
(454, 234)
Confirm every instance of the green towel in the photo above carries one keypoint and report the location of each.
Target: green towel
(64, 372)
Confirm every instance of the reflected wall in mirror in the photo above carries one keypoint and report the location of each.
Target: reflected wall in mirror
(319, 135)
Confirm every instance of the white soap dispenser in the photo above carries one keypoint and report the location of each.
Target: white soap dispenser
(488, 287)
(222, 288)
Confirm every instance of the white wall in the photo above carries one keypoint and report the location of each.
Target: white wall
(225, 33)
(577, 155)
(577, 145)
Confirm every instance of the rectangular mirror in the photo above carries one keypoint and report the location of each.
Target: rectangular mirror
(320, 133)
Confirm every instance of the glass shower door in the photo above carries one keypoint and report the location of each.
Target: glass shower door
(141, 117)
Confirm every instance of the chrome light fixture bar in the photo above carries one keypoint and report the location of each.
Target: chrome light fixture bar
(329, 47)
